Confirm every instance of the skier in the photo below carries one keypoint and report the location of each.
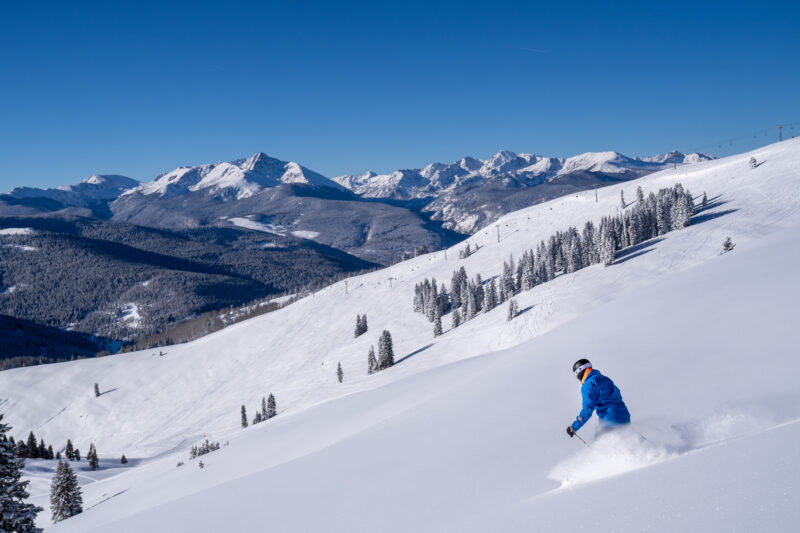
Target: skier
(599, 393)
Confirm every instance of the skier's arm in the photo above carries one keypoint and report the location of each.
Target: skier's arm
(587, 410)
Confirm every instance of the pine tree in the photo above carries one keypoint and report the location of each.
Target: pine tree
(15, 515)
(244, 417)
(622, 199)
(92, 457)
(339, 372)
(272, 409)
(263, 408)
(639, 195)
(727, 245)
(32, 446)
(96, 390)
(358, 326)
(704, 202)
(372, 363)
(123, 460)
(364, 327)
(70, 451)
(437, 325)
(490, 296)
(386, 350)
(77, 454)
(456, 318)
(50, 452)
(513, 310)
(65, 494)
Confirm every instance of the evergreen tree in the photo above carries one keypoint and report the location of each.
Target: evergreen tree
(472, 307)
(15, 515)
(92, 457)
(339, 372)
(77, 454)
(622, 199)
(607, 250)
(58, 455)
(386, 350)
(65, 494)
(70, 451)
(263, 408)
(358, 325)
(364, 326)
(32, 446)
(727, 245)
(96, 390)
(478, 293)
(456, 318)
(704, 201)
(244, 417)
(123, 460)
(41, 451)
(437, 325)
(490, 296)
(513, 310)
(272, 409)
(50, 452)
(372, 363)
(639, 195)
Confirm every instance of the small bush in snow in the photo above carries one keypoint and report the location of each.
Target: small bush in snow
(727, 246)
(753, 162)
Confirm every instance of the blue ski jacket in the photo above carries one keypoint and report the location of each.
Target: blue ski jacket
(599, 393)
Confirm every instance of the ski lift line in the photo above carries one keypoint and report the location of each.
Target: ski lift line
(765, 132)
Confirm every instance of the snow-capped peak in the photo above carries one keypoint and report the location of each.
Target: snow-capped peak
(239, 179)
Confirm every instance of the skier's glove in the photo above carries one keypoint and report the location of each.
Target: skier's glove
(570, 431)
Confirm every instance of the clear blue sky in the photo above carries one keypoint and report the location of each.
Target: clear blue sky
(137, 89)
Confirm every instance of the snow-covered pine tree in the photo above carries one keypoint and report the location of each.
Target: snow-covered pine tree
(372, 363)
(490, 296)
(244, 417)
(77, 454)
(94, 462)
(622, 199)
(272, 408)
(472, 307)
(96, 390)
(704, 201)
(50, 452)
(386, 350)
(65, 493)
(437, 325)
(456, 318)
(263, 408)
(607, 250)
(513, 310)
(358, 326)
(639, 195)
(339, 372)
(478, 293)
(69, 452)
(753, 162)
(257, 419)
(364, 326)
(15, 515)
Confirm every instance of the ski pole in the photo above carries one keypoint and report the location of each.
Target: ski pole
(581, 439)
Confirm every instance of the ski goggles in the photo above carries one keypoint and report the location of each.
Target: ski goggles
(582, 368)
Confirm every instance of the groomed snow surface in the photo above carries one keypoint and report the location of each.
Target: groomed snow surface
(467, 431)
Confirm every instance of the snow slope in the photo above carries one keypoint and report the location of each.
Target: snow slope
(698, 342)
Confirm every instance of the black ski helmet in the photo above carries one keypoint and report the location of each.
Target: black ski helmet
(580, 367)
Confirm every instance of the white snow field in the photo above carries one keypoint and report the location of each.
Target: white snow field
(467, 431)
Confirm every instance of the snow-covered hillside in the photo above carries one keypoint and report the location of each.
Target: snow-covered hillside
(700, 344)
